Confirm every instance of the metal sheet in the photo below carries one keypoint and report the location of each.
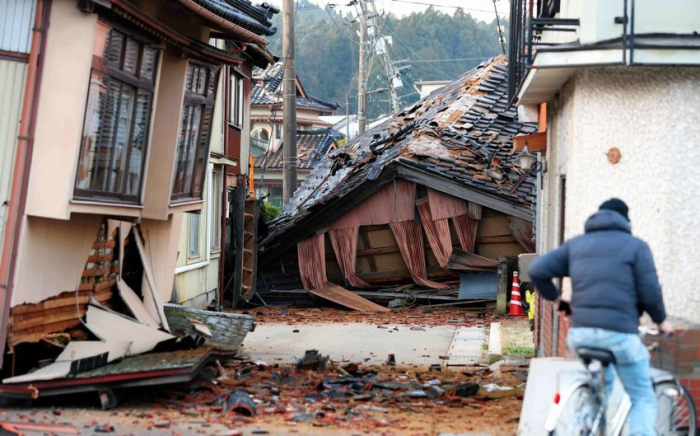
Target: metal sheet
(467, 347)
(16, 19)
(228, 330)
(477, 286)
(12, 76)
(349, 299)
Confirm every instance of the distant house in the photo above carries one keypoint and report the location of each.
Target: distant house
(266, 109)
(432, 195)
(313, 147)
(348, 126)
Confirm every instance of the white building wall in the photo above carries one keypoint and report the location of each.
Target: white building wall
(651, 115)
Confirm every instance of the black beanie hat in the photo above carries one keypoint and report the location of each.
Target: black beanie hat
(617, 205)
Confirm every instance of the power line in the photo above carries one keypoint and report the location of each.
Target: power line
(411, 50)
(441, 6)
(453, 60)
(339, 28)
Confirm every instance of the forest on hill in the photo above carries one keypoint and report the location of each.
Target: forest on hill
(435, 45)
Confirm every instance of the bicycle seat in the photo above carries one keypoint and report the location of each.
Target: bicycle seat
(587, 354)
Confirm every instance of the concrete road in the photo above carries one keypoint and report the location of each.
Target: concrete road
(355, 342)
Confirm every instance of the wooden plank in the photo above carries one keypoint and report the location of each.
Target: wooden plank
(135, 305)
(76, 350)
(50, 372)
(110, 326)
(496, 240)
(36, 319)
(104, 244)
(535, 142)
(348, 299)
(459, 191)
(94, 272)
(67, 298)
(151, 301)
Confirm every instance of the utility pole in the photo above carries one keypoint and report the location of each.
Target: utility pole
(386, 60)
(362, 75)
(347, 117)
(289, 134)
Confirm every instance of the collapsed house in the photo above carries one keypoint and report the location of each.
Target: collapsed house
(432, 198)
(112, 134)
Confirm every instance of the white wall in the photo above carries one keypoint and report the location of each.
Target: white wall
(651, 115)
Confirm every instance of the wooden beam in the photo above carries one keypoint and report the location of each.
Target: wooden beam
(496, 240)
(460, 191)
(535, 142)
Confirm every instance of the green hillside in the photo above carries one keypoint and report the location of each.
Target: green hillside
(437, 46)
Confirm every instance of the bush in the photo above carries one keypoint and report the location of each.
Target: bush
(269, 210)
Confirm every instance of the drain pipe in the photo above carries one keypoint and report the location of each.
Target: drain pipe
(20, 170)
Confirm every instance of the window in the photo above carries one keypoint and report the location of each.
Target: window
(278, 131)
(216, 199)
(194, 235)
(236, 100)
(193, 143)
(117, 117)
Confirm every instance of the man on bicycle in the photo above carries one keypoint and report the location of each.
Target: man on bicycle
(614, 280)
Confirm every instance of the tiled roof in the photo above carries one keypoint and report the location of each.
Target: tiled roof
(267, 89)
(461, 136)
(255, 18)
(312, 147)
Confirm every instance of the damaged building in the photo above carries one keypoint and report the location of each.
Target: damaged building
(113, 106)
(432, 203)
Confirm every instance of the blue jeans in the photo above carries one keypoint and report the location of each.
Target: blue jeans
(631, 366)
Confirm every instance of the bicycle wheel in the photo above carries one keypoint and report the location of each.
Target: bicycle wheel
(578, 414)
(676, 410)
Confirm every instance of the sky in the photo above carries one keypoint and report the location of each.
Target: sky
(479, 9)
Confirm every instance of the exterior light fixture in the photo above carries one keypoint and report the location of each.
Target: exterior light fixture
(528, 161)
(526, 158)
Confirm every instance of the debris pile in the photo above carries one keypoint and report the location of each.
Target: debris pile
(319, 392)
(413, 318)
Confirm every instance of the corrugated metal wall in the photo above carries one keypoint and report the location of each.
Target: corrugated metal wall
(16, 19)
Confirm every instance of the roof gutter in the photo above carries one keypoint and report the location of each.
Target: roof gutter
(224, 24)
(21, 168)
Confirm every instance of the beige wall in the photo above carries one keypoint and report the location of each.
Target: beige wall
(651, 115)
(61, 110)
(52, 256)
(165, 130)
(161, 244)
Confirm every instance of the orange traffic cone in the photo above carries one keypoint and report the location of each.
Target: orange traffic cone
(516, 302)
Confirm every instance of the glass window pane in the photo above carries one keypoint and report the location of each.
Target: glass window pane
(138, 144)
(201, 154)
(121, 146)
(113, 50)
(194, 235)
(148, 63)
(131, 56)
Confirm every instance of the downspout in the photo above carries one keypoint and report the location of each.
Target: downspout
(22, 164)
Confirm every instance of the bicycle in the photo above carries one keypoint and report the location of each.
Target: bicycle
(582, 409)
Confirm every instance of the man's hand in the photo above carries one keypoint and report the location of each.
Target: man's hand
(666, 327)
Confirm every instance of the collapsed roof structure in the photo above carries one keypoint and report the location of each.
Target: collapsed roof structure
(392, 206)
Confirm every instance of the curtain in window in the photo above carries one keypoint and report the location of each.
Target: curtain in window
(438, 232)
(344, 243)
(409, 238)
(312, 263)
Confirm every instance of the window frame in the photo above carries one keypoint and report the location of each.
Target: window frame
(196, 148)
(216, 199)
(236, 101)
(138, 85)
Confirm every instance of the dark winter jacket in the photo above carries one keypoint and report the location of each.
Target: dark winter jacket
(612, 274)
